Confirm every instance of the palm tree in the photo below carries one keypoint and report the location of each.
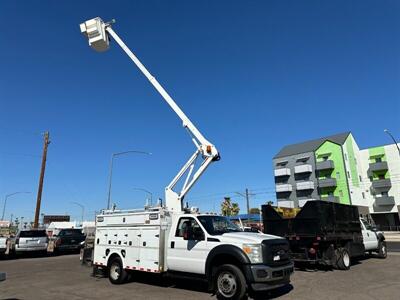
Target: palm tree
(235, 209)
(228, 208)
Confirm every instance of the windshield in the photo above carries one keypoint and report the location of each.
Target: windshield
(33, 233)
(70, 232)
(216, 225)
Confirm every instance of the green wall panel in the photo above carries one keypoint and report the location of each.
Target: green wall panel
(334, 153)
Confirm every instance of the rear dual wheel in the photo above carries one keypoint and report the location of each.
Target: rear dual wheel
(342, 259)
(116, 272)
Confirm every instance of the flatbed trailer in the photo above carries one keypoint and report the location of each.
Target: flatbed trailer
(322, 232)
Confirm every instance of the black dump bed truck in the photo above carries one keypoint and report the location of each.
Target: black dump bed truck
(321, 232)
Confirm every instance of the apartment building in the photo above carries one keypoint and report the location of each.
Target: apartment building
(334, 169)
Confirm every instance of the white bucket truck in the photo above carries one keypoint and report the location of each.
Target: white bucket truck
(181, 242)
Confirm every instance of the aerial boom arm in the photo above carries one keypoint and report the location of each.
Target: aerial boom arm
(97, 30)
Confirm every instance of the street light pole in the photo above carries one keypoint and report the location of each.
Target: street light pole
(394, 140)
(146, 191)
(5, 201)
(113, 155)
(83, 210)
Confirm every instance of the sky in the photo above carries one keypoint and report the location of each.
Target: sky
(252, 75)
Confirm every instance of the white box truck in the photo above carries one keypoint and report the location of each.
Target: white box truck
(175, 241)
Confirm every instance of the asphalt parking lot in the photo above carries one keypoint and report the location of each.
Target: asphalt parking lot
(62, 277)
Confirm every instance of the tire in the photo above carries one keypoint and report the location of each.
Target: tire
(116, 273)
(342, 259)
(229, 282)
(382, 250)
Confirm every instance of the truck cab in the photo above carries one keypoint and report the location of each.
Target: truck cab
(210, 247)
(374, 240)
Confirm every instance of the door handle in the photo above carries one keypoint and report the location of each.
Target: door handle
(367, 234)
(172, 245)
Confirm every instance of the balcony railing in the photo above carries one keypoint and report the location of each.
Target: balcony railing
(331, 198)
(325, 165)
(327, 182)
(282, 172)
(282, 188)
(378, 166)
(306, 168)
(305, 185)
(384, 200)
(381, 184)
(304, 201)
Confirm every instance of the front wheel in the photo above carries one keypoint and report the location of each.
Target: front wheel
(229, 282)
(382, 250)
(116, 273)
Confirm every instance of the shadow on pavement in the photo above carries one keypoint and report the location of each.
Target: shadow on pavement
(32, 254)
(195, 284)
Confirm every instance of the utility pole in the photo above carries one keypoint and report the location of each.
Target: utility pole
(42, 170)
(246, 195)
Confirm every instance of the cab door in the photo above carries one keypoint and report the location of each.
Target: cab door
(187, 255)
(369, 237)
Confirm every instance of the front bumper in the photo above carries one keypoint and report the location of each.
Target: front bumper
(263, 277)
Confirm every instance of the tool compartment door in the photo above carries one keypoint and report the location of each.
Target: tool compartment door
(131, 243)
(150, 249)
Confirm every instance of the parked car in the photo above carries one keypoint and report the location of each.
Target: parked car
(31, 240)
(3, 245)
(69, 240)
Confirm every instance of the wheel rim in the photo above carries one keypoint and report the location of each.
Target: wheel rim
(227, 285)
(346, 259)
(115, 271)
(383, 250)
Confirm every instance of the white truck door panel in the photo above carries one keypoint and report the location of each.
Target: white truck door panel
(369, 237)
(186, 255)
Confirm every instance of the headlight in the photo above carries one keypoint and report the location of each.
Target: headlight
(253, 251)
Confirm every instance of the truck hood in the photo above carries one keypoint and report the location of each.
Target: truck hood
(245, 237)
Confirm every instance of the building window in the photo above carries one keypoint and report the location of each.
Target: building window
(281, 164)
(325, 158)
(385, 194)
(381, 176)
(378, 159)
(363, 195)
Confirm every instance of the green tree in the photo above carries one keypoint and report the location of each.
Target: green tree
(255, 211)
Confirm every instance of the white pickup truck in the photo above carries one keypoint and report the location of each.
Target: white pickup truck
(374, 241)
(190, 244)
